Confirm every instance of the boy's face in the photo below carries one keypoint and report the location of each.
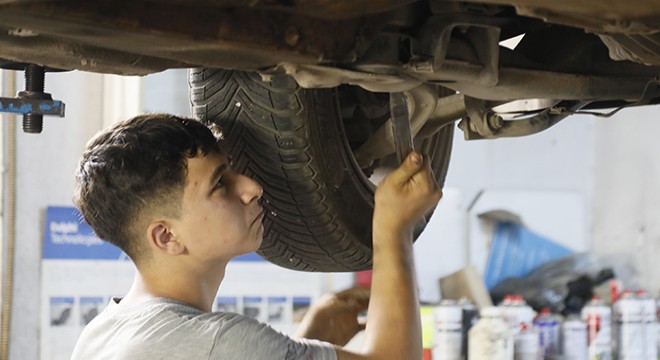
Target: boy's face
(221, 215)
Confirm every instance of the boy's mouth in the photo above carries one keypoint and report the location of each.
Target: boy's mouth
(259, 217)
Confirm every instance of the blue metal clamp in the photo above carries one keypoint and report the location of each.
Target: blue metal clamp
(33, 103)
(25, 106)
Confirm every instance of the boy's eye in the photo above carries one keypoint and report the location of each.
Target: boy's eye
(220, 183)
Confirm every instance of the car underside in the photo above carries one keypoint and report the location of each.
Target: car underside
(312, 77)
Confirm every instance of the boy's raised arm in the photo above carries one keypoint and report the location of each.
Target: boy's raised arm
(393, 328)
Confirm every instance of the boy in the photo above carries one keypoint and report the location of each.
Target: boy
(161, 188)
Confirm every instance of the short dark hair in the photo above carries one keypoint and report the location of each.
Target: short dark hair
(134, 166)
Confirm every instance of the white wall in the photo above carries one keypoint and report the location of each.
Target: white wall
(626, 206)
(561, 158)
(558, 161)
(167, 92)
(612, 163)
(45, 166)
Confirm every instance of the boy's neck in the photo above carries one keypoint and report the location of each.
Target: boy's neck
(194, 290)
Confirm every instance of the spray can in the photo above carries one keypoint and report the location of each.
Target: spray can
(470, 317)
(628, 326)
(657, 312)
(524, 313)
(490, 338)
(598, 317)
(548, 326)
(526, 344)
(447, 338)
(506, 308)
(574, 339)
(515, 311)
(649, 325)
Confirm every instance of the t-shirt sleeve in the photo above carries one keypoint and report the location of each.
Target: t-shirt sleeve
(243, 338)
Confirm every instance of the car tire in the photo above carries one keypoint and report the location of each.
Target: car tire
(318, 202)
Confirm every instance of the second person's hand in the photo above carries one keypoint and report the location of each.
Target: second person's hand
(334, 318)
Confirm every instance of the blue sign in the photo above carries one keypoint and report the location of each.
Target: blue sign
(252, 299)
(302, 300)
(226, 300)
(68, 236)
(61, 300)
(515, 251)
(92, 300)
(253, 256)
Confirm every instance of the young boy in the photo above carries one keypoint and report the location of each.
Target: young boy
(161, 188)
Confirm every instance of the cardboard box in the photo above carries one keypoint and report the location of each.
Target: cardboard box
(466, 283)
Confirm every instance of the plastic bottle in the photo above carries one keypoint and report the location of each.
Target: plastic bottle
(490, 338)
(447, 341)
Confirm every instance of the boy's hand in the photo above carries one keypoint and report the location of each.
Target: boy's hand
(406, 194)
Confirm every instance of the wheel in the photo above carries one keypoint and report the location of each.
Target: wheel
(319, 203)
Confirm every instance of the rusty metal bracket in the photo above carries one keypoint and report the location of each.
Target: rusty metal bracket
(651, 91)
(483, 123)
(432, 58)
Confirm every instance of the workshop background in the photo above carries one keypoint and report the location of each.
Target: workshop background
(588, 184)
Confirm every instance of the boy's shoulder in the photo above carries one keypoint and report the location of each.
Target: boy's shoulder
(152, 329)
(165, 328)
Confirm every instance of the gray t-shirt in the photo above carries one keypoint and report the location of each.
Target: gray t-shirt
(168, 329)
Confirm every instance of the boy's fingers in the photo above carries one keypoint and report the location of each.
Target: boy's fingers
(426, 176)
(411, 165)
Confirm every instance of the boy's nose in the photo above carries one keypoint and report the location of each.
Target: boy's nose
(249, 189)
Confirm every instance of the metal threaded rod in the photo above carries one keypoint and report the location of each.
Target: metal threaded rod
(34, 83)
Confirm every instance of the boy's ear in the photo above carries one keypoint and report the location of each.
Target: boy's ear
(162, 237)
